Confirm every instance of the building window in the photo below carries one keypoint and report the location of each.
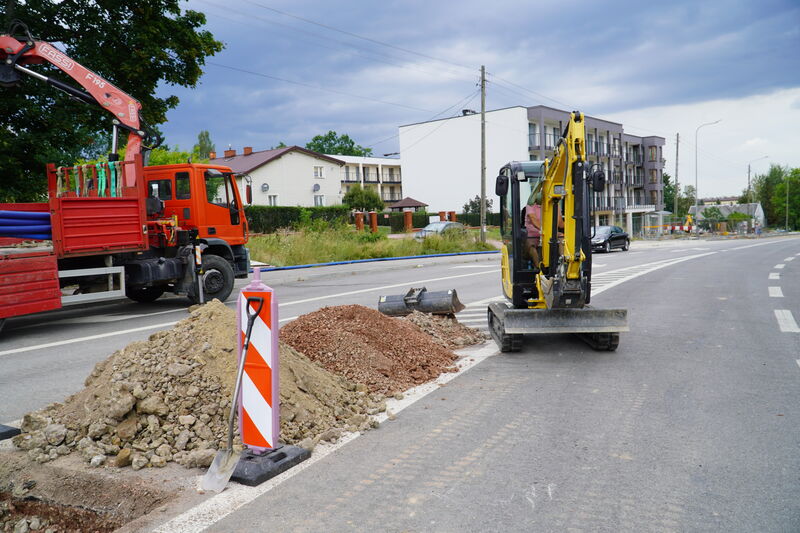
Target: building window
(653, 153)
(273, 199)
(319, 200)
(347, 173)
(653, 176)
(318, 172)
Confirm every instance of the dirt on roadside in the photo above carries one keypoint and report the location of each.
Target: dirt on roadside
(388, 355)
(168, 398)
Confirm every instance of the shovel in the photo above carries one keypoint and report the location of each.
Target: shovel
(221, 469)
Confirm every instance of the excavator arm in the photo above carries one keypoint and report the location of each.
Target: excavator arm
(16, 56)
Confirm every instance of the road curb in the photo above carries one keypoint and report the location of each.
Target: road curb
(375, 260)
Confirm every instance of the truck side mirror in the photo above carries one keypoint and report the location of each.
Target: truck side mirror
(248, 192)
(598, 180)
(501, 185)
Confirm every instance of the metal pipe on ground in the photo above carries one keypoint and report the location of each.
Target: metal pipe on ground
(419, 299)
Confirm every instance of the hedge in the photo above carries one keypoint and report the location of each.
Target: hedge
(396, 220)
(267, 218)
(474, 219)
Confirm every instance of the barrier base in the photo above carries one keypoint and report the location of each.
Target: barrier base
(6, 432)
(253, 469)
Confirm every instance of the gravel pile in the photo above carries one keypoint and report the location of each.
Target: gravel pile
(388, 355)
(446, 330)
(168, 399)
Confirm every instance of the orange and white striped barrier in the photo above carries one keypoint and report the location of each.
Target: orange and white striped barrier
(259, 418)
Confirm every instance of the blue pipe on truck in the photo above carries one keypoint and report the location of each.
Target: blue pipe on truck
(26, 215)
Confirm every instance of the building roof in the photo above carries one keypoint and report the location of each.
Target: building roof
(746, 209)
(241, 163)
(408, 202)
(367, 160)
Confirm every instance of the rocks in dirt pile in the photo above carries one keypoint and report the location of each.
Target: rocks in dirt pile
(446, 330)
(385, 354)
(168, 399)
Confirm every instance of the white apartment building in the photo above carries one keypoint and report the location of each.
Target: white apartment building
(380, 174)
(442, 159)
(287, 176)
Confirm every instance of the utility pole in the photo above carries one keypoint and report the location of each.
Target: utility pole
(483, 154)
(787, 204)
(677, 188)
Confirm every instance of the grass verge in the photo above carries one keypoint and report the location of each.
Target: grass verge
(345, 244)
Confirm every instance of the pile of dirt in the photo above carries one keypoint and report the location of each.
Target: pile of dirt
(168, 399)
(24, 514)
(446, 330)
(386, 354)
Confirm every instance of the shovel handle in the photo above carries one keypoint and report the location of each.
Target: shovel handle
(252, 314)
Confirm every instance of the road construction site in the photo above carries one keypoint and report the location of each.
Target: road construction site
(557, 434)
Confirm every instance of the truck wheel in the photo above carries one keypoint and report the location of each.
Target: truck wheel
(217, 280)
(144, 294)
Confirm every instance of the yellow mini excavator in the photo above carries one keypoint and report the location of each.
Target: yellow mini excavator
(548, 287)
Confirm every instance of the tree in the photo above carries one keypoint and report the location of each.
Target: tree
(669, 192)
(711, 217)
(779, 202)
(686, 200)
(204, 146)
(474, 205)
(362, 199)
(331, 143)
(136, 46)
(765, 187)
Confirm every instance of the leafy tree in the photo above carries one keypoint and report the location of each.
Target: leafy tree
(765, 186)
(669, 192)
(280, 145)
(204, 146)
(362, 199)
(686, 200)
(474, 206)
(136, 46)
(711, 217)
(779, 202)
(331, 143)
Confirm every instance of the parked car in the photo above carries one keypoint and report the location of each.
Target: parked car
(440, 228)
(606, 238)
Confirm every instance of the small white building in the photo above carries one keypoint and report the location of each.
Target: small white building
(380, 174)
(292, 175)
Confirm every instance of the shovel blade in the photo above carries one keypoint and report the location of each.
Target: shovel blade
(220, 471)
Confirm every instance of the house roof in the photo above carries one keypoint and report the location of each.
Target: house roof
(241, 163)
(408, 202)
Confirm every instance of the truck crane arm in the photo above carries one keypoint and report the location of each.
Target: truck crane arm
(16, 56)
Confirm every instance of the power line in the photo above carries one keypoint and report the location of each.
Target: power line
(302, 84)
(434, 130)
(364, 52)
(357, 36)
(463, 101)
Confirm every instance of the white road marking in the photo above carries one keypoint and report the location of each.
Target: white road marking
(779, 266)
(476, 266)
(775, 292)
(235, 496)
(774, 275)
(472, 320)
(798, 362)
(789, 259)
(639, 270)
(786, 321)
(281, 305)
(373, 289)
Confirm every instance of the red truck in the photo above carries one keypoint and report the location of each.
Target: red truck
(117, 228)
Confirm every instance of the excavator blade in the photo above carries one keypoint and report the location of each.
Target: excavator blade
(585, 320)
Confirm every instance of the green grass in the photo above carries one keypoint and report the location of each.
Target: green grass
(344, 244)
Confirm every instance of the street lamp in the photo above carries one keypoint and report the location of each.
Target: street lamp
(749, 197)
(696, 190)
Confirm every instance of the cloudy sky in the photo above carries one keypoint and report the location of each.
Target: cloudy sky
(294, 69)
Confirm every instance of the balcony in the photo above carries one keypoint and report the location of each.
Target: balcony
(534, 142)
(391, 196)
(391, 178)
(350, 179)
(370, 177)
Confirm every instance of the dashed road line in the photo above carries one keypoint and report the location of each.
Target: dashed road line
(775, 292)
(779, 266)
(789, 259)
(774, 275)
(786, 321)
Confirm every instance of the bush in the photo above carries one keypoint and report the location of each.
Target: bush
(267, 218)
(474, 219)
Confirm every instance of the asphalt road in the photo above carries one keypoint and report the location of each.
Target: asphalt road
(690, 426)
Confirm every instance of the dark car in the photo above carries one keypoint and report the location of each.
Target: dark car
(606, 238)
(440, 228)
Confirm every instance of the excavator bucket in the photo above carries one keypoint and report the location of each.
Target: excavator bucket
(600, 328)
(419, 299)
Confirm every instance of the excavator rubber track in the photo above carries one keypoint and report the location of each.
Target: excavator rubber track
(599, 328)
